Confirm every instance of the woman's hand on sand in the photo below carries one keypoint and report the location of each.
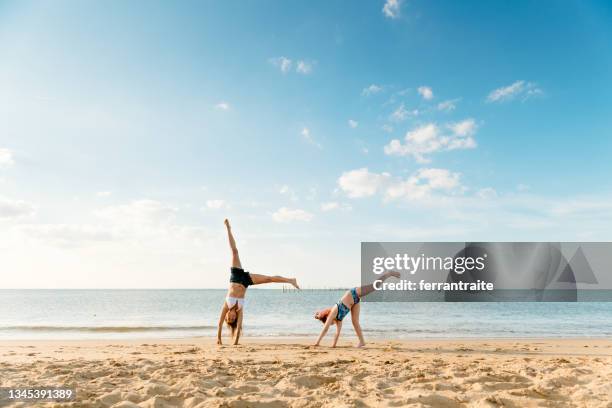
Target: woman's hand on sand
(219, 342)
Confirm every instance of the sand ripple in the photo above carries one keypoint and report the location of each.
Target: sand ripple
(392, 374)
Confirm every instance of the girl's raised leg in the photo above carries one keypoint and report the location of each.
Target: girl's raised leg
(367, 289)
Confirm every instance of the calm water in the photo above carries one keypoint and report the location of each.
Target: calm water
(111, 314)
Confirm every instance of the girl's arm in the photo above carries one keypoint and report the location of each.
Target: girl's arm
(330, 319)
(221, 319)
(238, 328)
(337, 336)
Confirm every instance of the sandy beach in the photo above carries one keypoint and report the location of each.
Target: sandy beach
(290, 373)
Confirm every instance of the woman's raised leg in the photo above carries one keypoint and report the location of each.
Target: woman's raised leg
(261, 279)
(235, 258)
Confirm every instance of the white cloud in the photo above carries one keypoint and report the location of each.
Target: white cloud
(287, 191)
(334, 205)
(430, 138)
(448, 106)
(139, 211)
(285, 65)
(66, 235)
(309, 139)
(464, 128)
(583, 206)
(10, 209)
(330, 206)
(533, 92)
(522, 89)
(506, 92)
(522, 187)
(222, 106)
(487, 193)
(285, 214)
(425, 92)
(371, 90)
(439, 179)
(422, 184)
(363, 183)
(353, 123)
(6, 157)
(401, 113)
(216, 204)
(103, 194)
(391, 9)
(304, 67)
(282, 63)
(387, 128)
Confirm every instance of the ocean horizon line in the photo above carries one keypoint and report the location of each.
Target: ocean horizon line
(286, 288)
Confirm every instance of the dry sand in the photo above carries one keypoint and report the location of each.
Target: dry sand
(289, 373)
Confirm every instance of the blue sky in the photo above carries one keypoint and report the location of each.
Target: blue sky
(128, 131)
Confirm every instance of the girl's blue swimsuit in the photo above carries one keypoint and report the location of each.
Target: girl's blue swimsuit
(343, 309)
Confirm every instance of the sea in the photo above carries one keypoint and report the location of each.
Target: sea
(171, 314)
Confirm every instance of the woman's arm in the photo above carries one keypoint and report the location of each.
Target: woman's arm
(238, 328)
(337, 336)
(221, 319)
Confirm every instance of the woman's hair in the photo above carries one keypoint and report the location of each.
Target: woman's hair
(322, 314)
(234, 324)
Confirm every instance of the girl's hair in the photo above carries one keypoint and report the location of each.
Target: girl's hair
(322, 314)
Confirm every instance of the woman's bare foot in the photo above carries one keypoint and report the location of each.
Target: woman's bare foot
(360, 345)
(294, 283)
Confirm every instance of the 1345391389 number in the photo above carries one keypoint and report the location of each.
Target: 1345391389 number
(15, 394)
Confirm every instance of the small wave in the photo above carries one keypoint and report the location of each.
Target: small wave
(103, 329)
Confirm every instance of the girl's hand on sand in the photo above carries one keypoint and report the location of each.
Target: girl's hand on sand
(219, 342)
